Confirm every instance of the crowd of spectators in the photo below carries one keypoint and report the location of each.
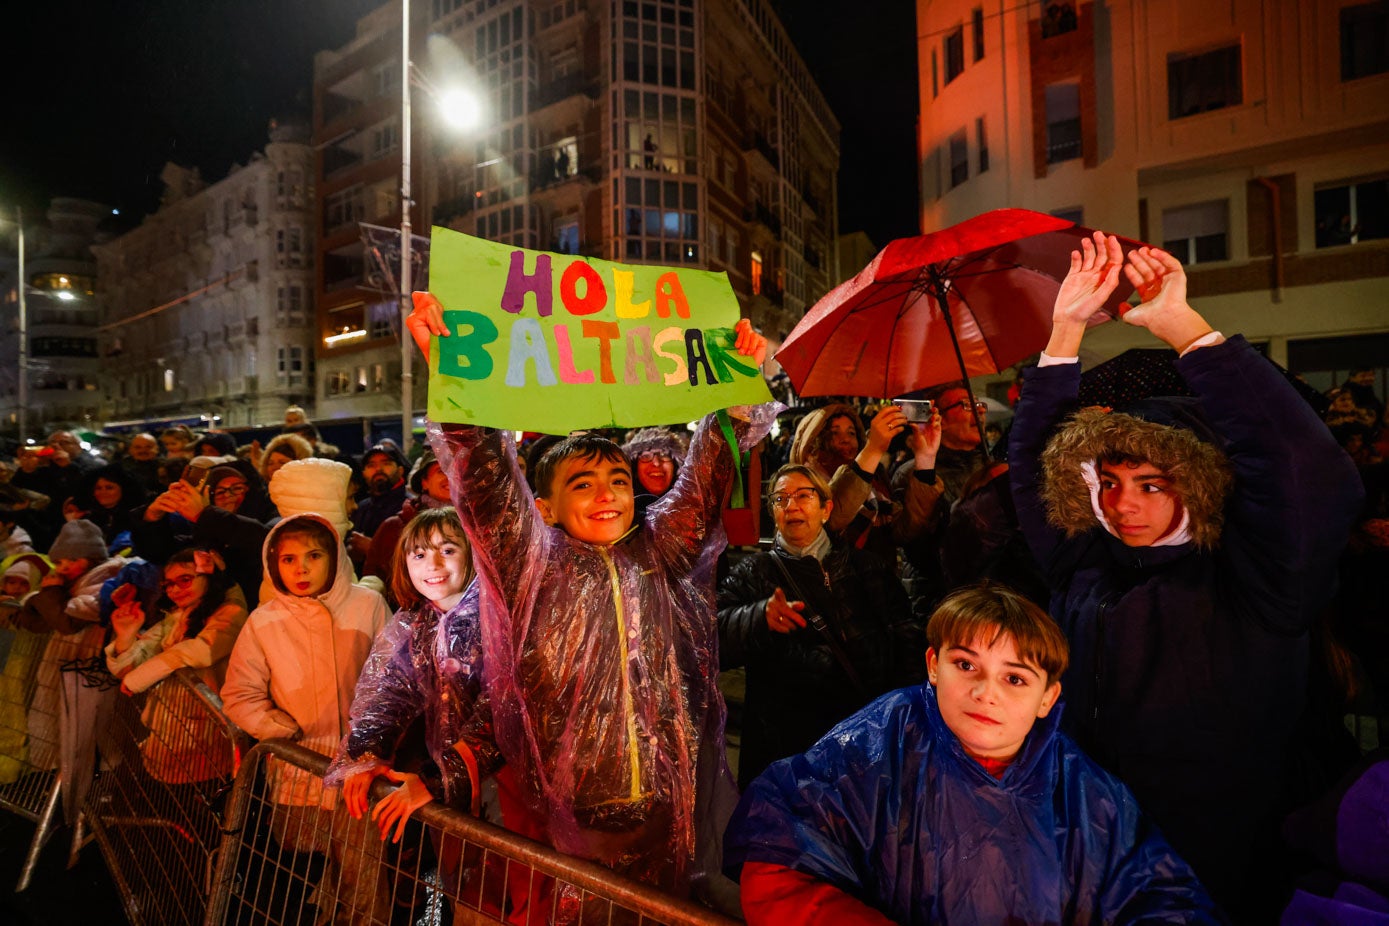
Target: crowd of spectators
(256, 564)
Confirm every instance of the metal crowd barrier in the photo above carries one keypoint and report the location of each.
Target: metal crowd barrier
(189, 826)
(156, 806)
(31, 699)
(449, 868)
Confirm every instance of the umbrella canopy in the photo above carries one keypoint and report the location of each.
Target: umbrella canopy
(1136, 374)
(1144, 372)
(971, 299)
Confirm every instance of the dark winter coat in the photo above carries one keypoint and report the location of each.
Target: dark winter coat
(891, 810)
(374, 510)
(1189, 662)
(796, 687)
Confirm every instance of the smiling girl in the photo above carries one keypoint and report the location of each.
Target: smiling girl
(203, 611)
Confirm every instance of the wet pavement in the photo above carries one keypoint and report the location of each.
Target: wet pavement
(56, 896)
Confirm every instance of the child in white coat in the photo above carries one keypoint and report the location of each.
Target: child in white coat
(292, 675)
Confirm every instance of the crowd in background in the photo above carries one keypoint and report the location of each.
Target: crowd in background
(151, 554)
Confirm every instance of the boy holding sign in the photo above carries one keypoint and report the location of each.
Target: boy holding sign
(600, 634)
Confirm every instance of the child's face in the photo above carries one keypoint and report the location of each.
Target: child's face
(303, 566)
(989, 696)
(439, 571)
(1139, 502)
(590, 499)
(15, 587)
(183, 585)
(70, 569)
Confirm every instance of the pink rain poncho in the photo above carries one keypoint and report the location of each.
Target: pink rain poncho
(602, 660)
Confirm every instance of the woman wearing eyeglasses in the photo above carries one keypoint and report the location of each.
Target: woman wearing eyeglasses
(656, 454)
(229, 512)
(202, 611)
(821, 627)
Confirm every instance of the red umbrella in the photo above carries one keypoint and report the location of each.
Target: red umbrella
(970, 299)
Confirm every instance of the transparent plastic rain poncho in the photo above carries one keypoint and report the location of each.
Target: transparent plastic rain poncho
(423, 664)
(602, 661)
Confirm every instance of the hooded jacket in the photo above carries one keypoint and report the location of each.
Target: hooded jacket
(796, 686)
(1189, 660)
(602, 660)
(889, 809)
(867, 514)
(295, 665)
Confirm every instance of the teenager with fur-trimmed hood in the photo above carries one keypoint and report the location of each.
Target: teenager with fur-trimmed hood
(1189, 544)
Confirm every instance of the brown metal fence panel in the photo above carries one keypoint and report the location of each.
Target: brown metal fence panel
(156, 808)
(282, 865)
(192, 833)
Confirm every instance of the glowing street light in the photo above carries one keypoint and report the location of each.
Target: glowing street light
(460, 109)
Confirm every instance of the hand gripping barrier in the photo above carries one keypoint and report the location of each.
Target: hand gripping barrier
(282, 864)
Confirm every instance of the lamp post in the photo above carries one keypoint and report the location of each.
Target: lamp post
(407, 378)
(23, 371)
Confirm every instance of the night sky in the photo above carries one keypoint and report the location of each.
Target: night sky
(101, 98)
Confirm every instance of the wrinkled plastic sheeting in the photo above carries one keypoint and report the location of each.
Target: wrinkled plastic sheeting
(422, 663)
(602, 661)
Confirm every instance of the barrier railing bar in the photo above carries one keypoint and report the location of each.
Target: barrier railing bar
(588, 877)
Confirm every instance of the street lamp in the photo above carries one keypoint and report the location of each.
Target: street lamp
(23, 332)
(459, 109)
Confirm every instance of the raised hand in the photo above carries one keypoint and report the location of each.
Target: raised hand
(1161, 284)
(126, 622)
(924, 440)
(885, 425)
(748, 342)
(427, 318)
(1091, 280)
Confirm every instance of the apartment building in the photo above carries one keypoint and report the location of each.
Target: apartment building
(663, 131)
(1249, 138)
(62, 369)
(206, 308)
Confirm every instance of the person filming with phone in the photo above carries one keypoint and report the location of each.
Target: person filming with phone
(821, 626)
(869, 513)
(216, 506)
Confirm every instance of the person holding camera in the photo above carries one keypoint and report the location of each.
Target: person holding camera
(821, 626)
(869, 513)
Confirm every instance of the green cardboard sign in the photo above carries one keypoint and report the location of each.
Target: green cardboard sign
(553, 342)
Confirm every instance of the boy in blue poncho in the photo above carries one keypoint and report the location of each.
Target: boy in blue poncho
(959, 800)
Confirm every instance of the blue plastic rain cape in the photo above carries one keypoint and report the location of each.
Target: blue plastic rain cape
(889, 808)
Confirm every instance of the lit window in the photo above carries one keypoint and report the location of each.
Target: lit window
(1198, 233)
(756, 272)
(1349, 213)
(1202, 82)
